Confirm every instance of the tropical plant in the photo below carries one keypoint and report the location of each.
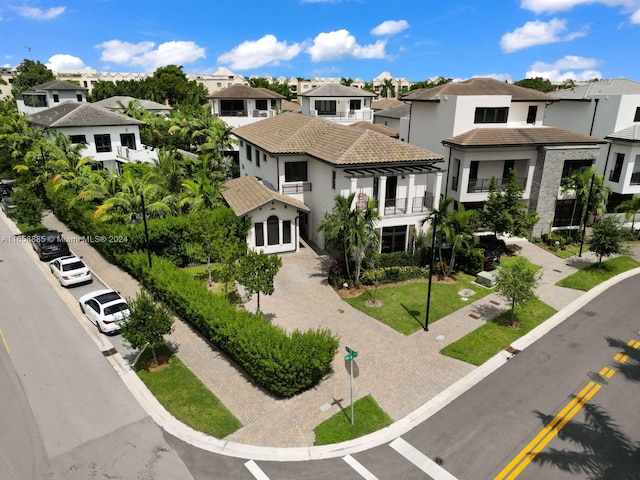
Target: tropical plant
(606, 238)
(630, 208)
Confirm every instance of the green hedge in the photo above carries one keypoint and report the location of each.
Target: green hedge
(283, 364)
(395, 259)
(394, 274)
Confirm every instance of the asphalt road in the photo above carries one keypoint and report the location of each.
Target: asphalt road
(65, 412)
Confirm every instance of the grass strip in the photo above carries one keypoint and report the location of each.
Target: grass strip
(587, 278)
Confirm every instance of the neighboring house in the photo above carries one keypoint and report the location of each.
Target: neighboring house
(388, 131)
(395, 87)
(7, 74)
(338, 103)
(623, 165)
(120, 103)
(240, 104)
(609, 109)
(313, 160)
(484, 128)
(274, 217)
(385, 103)
(218, 80)
(50, 94)
(395, 117)
(110, 138)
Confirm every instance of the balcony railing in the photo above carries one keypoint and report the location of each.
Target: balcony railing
(635, 178)
(422, 204)
(351, 115)
(296, 188)
(395, 206)
(233, 113)
(482, 184)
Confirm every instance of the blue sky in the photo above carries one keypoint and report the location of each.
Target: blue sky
(504, 39)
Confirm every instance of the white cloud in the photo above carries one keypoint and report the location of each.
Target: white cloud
(390, 27)
(537, 33)
(569, 67)
(635, 17)
(62, 61)
(551, 6)
(33, 13)
(144, 55)
(264, 51)
(503, 77)
(341, 44)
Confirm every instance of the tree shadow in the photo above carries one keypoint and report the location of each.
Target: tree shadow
(630, 370)
(414, 314)
(580, 262)
(598, 447)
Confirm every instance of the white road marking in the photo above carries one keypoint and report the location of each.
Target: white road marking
(420, 460)
(357, 466)
(255, 470)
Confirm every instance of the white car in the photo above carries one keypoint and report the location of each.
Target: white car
(106, 309)
(70, 270)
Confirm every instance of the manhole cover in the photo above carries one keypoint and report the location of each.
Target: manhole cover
(466, 293)
(439, 461)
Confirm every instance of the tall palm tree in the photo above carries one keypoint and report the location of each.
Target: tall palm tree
(364, 235)
(336, 226)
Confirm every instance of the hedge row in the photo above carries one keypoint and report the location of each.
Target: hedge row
(393, 274)
(281, 363)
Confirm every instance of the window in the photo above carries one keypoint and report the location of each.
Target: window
(532, 114)
(614, 176)
(326, 107)
(636, 117)
(56, 98)
(258, 227)
(571, 166)
(78, 139)
(128, 140)
(286, 231)
(249, 152)
(103, 142)
(219, 84)
(491, 115)
(355, 104)
(35, 100)
(85, 84)
(273, 230)
(333, 179)
(394, 239)
(508, 165)
(257, 157)
(473, 170)
(79, 97)
(264, 157)
(261, 104)
(295, 172)
(232, 108)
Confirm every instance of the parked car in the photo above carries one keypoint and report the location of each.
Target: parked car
(70, 270)
(49, 245)
(5, 189)
(106, 309)
(8, 205)
(492, 248)
(491, 260)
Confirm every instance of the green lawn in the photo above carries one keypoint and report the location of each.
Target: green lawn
(509, 260)
(199, 272)
(589, 277)
(186, 397)
(404, 306)
(368, 417)
(483, 343)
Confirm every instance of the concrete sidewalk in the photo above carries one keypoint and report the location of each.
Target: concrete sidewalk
(402, 373)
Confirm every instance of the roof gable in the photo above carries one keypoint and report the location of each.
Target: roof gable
(476, 87)
(80, 114)
(55, 85)
(245, 194)
(532, 136)
(244, 92)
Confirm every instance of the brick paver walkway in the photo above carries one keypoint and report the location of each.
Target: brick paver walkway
(400, 372)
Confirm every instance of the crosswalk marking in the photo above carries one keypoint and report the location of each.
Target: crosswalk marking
(255, 470)
(357, 466)
(420, 460)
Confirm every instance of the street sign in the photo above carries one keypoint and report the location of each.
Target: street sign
(351, 355)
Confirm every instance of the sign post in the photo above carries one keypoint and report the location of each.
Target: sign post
(351, 355)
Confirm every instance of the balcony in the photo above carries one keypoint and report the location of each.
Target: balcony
(395, 206)
(146, 155)
(422, 204)
(294, 188)
(480, 185)
(351, 115)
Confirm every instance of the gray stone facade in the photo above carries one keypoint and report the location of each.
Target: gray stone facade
(546, 181)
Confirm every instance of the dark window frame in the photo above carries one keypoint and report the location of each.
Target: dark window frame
(326, 107)
(259, 233)
(273, 230)
(103, 142)
(128, 140)
(76, 139)
(294, 171)
(261, 104)
(286, 232)
(248, 151)
(614, 176)
(532, 113)
(491, 115)
(636, 117)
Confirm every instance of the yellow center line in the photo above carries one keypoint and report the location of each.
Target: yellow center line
(624, 358)
(610, 373)
(618, 356)
(604, 371)
(5, 342)
(630, 342)
(554, 426)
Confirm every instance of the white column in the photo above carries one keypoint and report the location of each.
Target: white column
(411, 193)
(437, 189)
(354, 185)
(382, 193)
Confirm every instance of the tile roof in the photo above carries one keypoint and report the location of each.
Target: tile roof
(398, 111)
(385, 103)
(245, 194)
(55, 85)
(244, 92)
(631, 134)
(377, 127)
(114, 103)
(537, 136)
(287, 106)
(478, 86)
(336, 90)
(80, 114)
(294, 133)
(612, 86)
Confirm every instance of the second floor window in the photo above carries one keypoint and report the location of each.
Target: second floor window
(636, 117)
(261, 104)
(355, 104)
(103, 142)
(78, 139)
(249, 152)
(295, 172)
(491, 115)
(532, 113)
(614, 176)
(326, 107)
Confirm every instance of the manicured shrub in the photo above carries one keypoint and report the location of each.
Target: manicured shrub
(393, 274)
(471, 261)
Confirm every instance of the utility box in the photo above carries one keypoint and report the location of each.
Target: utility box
(486, 279)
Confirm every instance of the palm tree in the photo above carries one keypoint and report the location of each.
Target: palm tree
(630, 207)
(364, 236)
(458, 229)
(583, 183)
(337, 225)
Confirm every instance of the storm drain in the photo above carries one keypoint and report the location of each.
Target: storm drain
(108, 353)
